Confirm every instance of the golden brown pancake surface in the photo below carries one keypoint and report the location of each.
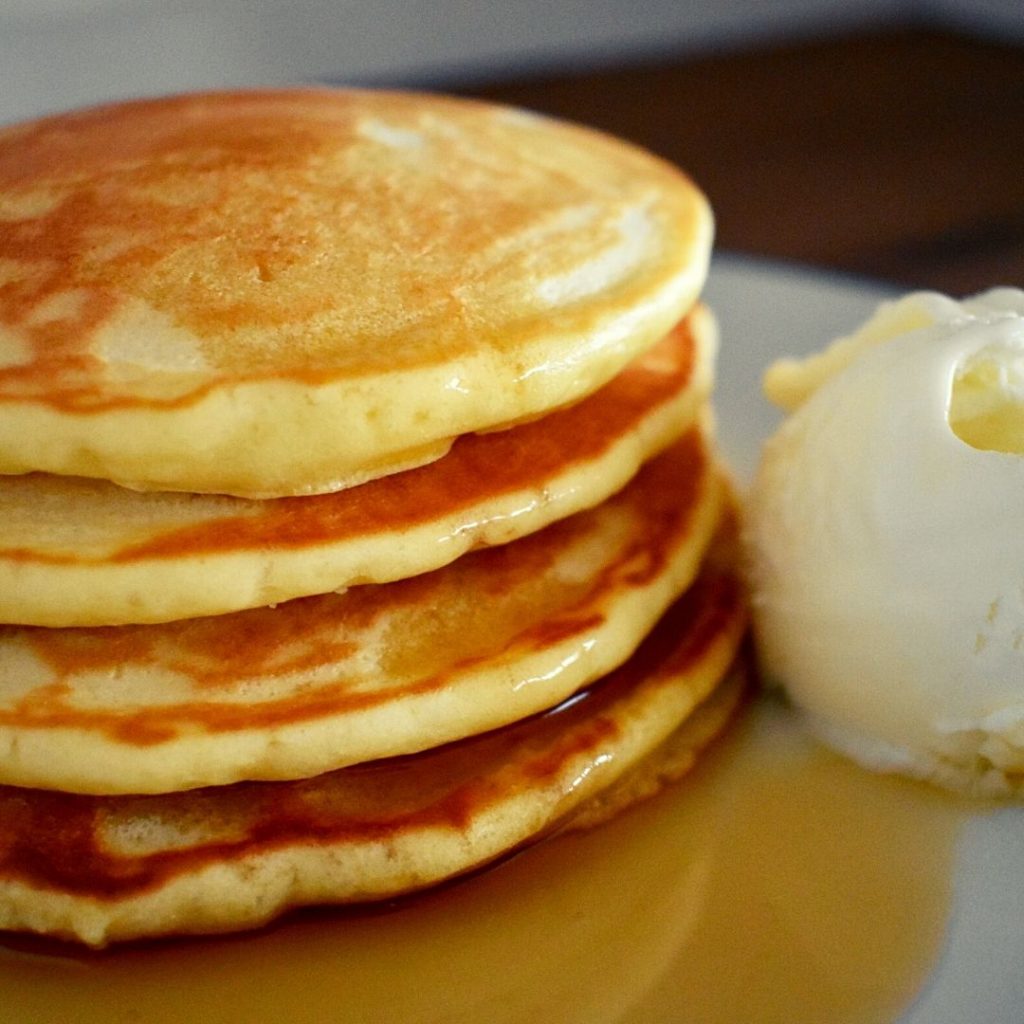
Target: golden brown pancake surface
(270, 293)
(83, 552)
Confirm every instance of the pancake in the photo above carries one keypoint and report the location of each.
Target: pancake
(84, 552)
(337, 679)
(100, 869)
(289, 292)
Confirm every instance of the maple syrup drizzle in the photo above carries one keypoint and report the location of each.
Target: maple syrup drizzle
(776, 883)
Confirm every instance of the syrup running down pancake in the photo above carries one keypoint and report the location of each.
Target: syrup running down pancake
(85, 552)
(290, 292)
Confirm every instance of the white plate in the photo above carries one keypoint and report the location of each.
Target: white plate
(770, 309)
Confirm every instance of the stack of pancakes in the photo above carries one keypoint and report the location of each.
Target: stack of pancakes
(360, 518)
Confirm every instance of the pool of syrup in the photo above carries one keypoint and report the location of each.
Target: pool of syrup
(777, 884)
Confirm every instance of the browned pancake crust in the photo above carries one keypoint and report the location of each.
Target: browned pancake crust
(287, 292)
(285, 209)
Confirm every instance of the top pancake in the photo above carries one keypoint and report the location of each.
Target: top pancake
(289, 292)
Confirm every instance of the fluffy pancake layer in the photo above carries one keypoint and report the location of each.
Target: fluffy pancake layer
(105, 868)
(337, 679)
(290, 292)
(84, 552)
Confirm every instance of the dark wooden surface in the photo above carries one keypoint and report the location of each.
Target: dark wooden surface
(898, 155)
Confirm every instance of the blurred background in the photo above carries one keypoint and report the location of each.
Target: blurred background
(876, 137)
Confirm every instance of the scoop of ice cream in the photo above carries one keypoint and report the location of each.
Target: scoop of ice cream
(886, 532)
